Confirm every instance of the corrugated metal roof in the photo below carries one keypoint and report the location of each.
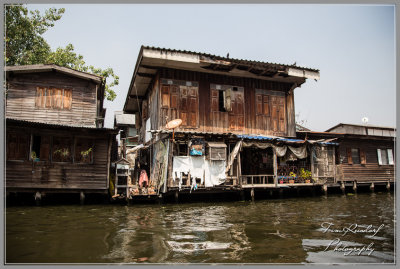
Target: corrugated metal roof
(52, 125)
(51, 67)
(228, 59)
(360, 125)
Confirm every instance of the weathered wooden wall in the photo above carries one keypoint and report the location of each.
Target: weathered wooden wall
(21, 95)
(26, 174)
(371, 170)
(243, 118)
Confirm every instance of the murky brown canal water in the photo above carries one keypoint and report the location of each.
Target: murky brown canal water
(269, 231)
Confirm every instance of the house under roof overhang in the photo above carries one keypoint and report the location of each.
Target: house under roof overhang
(151, 59)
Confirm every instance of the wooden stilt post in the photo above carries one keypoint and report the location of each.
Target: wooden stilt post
(355, 186)
(275, 165)
(82, 198)
(38, 198)
(342, 187)
(271, 193)
(372, 187)
(252, 194)
(280, 193)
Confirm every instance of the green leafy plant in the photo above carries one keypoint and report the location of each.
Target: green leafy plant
(25, 45)
(292, 174)
(33, 155)
(64, 152)
(86, 153)
(306, 174)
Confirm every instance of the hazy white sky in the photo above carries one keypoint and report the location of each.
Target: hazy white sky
(353, 46)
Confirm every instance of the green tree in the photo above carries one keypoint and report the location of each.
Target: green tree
(24, 44)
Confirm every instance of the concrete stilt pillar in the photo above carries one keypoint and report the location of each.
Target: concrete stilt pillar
(82, 198)
(388, 185)
(252, 194)
(38, 198)
(355, 186)
(325, 189)
(372, 187)
(176, 197)
(342, 187)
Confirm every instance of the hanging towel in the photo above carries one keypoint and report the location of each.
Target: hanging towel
(143, 179)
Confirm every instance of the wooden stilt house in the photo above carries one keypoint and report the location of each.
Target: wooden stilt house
(55, 139)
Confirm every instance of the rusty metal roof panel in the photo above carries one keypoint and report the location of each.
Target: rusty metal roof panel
(53, 126)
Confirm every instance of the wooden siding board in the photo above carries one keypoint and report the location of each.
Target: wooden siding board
(46, 174)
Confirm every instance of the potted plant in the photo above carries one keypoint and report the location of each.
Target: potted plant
(86, 154)
(34, 156)
(306, 175)
(292, 177)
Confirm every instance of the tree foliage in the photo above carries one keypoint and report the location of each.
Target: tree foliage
(25, 44)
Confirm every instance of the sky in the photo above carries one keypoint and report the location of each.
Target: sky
(353, 46)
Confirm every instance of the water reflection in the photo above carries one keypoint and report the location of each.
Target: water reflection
(270, 231)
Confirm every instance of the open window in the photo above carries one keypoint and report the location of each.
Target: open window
(61, 151)
(40, 148)
(84, 150)
(385, 156)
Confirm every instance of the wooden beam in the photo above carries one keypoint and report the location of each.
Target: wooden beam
(146, 75)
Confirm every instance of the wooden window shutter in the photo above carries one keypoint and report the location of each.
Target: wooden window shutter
(378, 151)
(214, 100)
(165, 99)
(390, 156)
(363, 157)
(240, 110)
(57, 98)
(22, 147)
(49, 97)
(12, 144)
(265, 105)
(193, 109)
(38, 99)
(174, 91)
(259, 104)
(44, 148)
(183, 105)
(67, 99)
(349, 156)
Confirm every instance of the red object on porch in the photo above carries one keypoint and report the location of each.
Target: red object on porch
(143, 179)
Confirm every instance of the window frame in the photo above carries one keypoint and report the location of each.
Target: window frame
(71, 148)
(75, 152)
(45, 98)
(389, 158)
